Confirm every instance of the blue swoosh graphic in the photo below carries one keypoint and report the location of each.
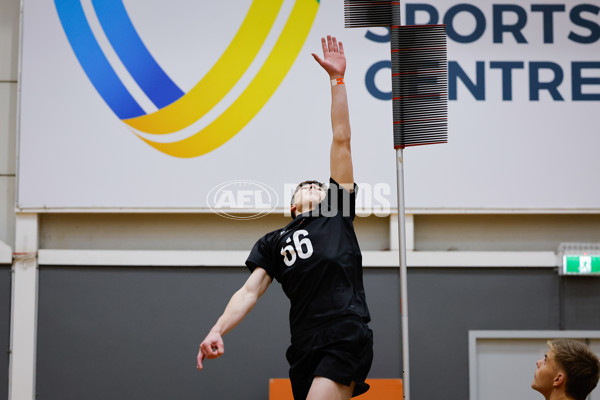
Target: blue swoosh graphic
(128, 45)
(94, 63)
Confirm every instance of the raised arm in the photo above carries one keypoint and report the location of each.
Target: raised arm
(334, 63)
(238, 307)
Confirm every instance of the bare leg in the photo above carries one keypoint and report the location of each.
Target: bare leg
(326, 389)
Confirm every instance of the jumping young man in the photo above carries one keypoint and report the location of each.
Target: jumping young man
(318, 262)
(568, 371)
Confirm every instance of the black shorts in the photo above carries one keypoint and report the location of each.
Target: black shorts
(341, 351)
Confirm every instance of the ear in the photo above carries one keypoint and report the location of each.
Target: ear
(559, 379)
(293, 209)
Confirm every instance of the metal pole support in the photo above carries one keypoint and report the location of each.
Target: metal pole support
(403, 272)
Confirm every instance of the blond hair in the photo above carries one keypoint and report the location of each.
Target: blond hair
(580, 364)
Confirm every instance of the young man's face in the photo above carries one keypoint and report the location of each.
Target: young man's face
(310, 192)
(545, 374)
(308, 196)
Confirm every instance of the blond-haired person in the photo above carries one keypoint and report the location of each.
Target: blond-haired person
(569, 371)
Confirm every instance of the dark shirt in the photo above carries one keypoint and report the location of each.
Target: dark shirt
(318, 262)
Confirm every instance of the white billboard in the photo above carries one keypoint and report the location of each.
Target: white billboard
(140, 104)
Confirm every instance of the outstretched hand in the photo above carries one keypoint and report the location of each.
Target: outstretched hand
(334, 60)
(211, 347)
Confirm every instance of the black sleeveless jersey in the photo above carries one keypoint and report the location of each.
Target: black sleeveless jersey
(318, 262)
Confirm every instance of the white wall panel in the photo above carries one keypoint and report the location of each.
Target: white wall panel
(9, 39)
(7, 210)
(8, 135)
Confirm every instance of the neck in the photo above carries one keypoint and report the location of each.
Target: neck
(556, 395)
(306, 208)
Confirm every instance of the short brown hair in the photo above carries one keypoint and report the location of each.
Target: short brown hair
(580, 364)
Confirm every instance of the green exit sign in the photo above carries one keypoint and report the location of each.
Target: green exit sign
(581, 265)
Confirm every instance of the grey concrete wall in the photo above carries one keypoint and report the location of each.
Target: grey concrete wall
(445, 304)
(133, 333)
(5, 282)
(129, 333)
(580, 308)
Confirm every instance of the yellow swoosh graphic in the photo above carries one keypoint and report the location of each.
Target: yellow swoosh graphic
(220, 79)
(258, 92)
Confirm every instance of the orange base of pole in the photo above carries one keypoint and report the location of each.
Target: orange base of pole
(381, 389)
